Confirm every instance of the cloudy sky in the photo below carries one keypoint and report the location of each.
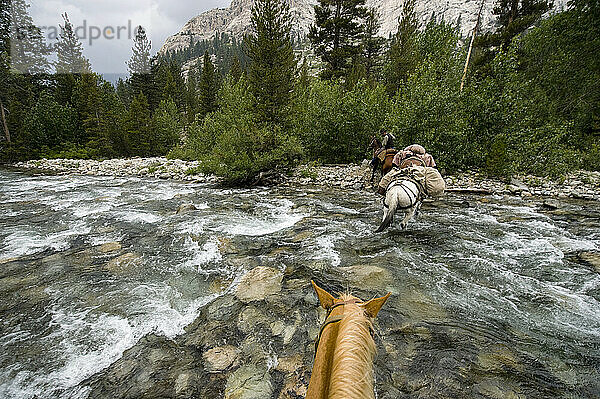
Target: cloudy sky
(111, 19)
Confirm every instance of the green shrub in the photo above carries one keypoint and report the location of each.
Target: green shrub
(334, 125)
(231, 144)
(242, 152)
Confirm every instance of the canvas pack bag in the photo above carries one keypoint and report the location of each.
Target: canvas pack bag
(429, 179)
(434, 182)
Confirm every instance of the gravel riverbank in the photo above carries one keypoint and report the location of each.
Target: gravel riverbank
(579, 184)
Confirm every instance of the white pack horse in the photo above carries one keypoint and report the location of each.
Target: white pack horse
(403, 195)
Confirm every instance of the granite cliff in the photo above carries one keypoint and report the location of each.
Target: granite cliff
(235, 19)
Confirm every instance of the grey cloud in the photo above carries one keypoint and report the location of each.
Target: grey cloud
(110, 56)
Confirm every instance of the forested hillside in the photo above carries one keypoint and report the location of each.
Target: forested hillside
(530, 101)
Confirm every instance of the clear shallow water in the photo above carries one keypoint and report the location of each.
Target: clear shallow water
(497, 274)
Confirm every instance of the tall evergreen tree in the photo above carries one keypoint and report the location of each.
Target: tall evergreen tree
(207, 87)
(140, 64)
(402, 57)
(165, 127)
(337, 33)
(236, 69)
(191, 95)
(372, 46)
(272, 67)
(179, 86)
(123, 91)
(138, 127)
(514, 17)
(303, 84)
(106, 135)
(4, 66)
(87, 100)
(28, 49)
(69, 51)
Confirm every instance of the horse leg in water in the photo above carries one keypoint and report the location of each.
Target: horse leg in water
(403, 196)
(375, 164)
(409, 215)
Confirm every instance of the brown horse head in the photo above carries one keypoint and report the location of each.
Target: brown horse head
(343, 366)
(375, 144)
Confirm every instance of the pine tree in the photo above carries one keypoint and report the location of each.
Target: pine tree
(69, 51)
(123, 91)
(272, 68)
(87, 101)
(139, 64)
(514, 17)
(236, 69)
(303, 84)
(137, 125)
(106, 137)
(372, 46)
(337, 33)
(165, 127)
(179, 86)
(402, 55)
(4, 67)
(191, 95)
(357, 73)
(28, 49)
(207, 87)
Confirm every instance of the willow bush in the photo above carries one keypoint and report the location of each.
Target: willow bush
(335, 125)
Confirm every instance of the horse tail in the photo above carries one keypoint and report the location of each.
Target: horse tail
(392, 202)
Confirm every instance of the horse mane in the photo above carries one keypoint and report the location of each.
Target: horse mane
(352, 367)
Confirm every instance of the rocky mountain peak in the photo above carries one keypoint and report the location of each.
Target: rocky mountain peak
(235, 19)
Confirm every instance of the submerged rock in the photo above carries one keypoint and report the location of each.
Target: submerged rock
(259, 283)
(183, 208)
(592, 258)
(250, 318)
(220, 358)
(249, 382)
(110, 247)
(123, 263)
(367, 276)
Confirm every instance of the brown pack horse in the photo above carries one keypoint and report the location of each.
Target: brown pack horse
(386, 165)
(343, 366)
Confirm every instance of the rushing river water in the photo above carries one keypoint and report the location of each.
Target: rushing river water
(90, 265)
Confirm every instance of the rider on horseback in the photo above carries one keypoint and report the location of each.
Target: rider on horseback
(387, 143)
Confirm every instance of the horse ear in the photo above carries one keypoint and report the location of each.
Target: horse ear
(325, 298)
(374, 305)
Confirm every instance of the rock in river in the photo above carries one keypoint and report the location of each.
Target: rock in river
(220, 358)
(259, 283)
(183, 208)
(248, 382)
(592, 258)
(110, 247)
(123, 263)
(367, 276)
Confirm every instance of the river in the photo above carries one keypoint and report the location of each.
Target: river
(491, 296)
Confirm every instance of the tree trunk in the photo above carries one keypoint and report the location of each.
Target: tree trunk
(464, 77)
(4, 124)
(335, 64)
